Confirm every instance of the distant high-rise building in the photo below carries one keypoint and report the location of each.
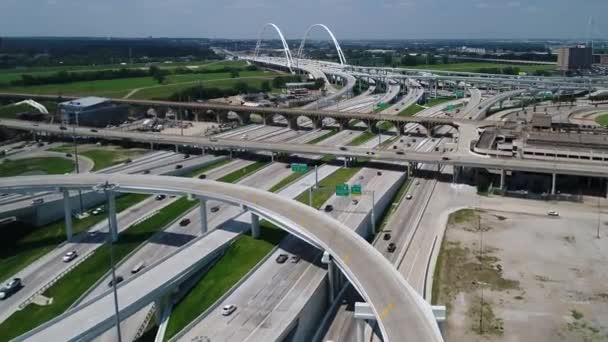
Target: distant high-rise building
(574, 58)
(600, 59)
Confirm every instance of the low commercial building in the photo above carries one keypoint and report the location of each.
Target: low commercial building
(93, 111)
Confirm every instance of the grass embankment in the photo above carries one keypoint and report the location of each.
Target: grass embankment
(361, 139)
(76, 282)
(411, 110)
(286, 181)
(602, 119)
(24, 244)
(327, 186)
(103, 157)
(237, 175)
(438, 101)
(208, 167)
(11, 111)
(35, 166)
(323, 137)
(239, 259)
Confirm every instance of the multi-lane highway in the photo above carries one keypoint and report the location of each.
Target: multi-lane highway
(391, 299)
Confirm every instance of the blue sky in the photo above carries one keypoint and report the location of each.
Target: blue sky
(392, 19)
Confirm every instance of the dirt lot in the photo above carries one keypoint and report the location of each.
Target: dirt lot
(543, 278)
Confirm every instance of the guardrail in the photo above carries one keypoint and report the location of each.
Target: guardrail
(142, 328)
(73, 265)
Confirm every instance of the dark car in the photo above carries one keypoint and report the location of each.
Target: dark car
(128, 161)
(282, 258)
(69, 155)
(184, 222)
(186, 156)
(215, 209)
(379, 173)
(203, 176)
(11, 287)
(445, 158)
(329, 208)
(394, 147)
(119, 280)
(387, 236)
(160, 197)
(342, 148)
(63, 128)
(178, 166)
(295, 259)
(400, 152)
(391, 247)
(145, 172)
(94, 130)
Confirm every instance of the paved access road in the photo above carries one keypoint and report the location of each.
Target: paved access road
(391, 298)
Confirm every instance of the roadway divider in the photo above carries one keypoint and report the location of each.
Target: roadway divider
(142, 328)
(205, 313)
(73, 265)
(324, 325)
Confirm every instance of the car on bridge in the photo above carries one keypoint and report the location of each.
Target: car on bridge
(282, 258)
(391, 247)
(11, 287)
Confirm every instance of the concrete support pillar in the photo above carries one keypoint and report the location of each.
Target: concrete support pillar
(176, 148)
(151, 146)
(203, 213)
(255, 226)
(218, 117)
(331, 275)
(553, 178)
(265, 119)
(112, 215)
(67, 207)
(292, 124)
(196, 118)
(343, 124)
(345, 161)
(502, 179)
(360, 330)
(317, 123)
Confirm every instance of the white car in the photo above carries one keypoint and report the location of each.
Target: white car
(228, 309)
(553, 213)
(408, 197)
(69, 256)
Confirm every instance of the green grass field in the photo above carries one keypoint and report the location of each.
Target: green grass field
(25, 244)
(602, 119)
(240, 257)
(237, 175)
(327, 186)
(286, 181)
(362, 139)
(31, 166)
(121, 87)
(438, 101)
(206, 168)
(8, 75)
(411, 110)
(103, 157)
(76, 282)
(475, 66)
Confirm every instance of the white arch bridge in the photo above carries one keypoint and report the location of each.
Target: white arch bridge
(401, 313)
(289, 57)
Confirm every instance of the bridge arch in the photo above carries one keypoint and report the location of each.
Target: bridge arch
(333, 38)
(285, 45)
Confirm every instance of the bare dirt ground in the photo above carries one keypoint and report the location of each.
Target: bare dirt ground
(543, 278)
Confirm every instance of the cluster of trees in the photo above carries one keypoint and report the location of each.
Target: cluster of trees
(599, 98)
(205, 93)
(16, 51)
(511, 70)
(68, 77)
(154, 71)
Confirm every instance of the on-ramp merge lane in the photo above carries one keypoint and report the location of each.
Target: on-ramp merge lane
(401, 312)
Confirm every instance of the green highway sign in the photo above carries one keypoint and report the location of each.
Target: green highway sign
(459, 93)
(355, 189)
(450, 108)
(382, 105)
(296, 167)
(342, 190)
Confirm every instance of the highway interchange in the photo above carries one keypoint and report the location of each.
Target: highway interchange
(277, 306)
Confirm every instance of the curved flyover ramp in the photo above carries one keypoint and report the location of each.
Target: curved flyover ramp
(402, 314)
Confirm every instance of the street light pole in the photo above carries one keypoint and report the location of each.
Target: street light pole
(74, 124)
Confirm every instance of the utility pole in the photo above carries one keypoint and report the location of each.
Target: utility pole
(74, 124)
(598, 217)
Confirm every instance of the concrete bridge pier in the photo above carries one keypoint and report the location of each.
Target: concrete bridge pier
(317, 123)
(342, 123)
(553, 180)
(292, 123)
(255, 226)
(331, 275)
(502, 179)
(203, 212)
(67, 207)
